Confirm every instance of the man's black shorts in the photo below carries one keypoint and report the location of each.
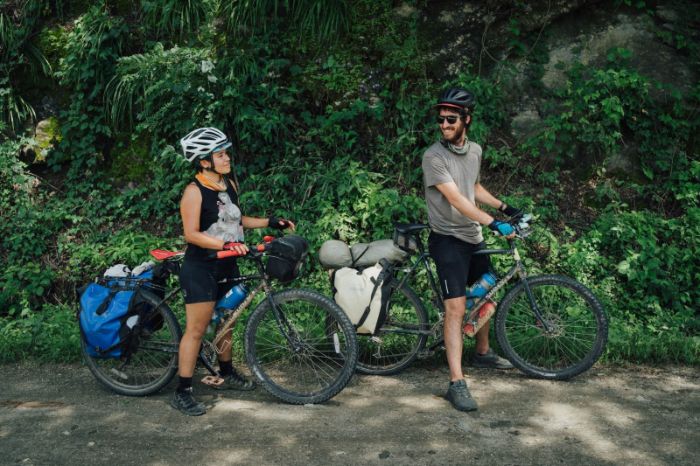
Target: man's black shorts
(199, 280)
(457, 266)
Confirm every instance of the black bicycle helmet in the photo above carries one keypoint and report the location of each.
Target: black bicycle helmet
(458, 98)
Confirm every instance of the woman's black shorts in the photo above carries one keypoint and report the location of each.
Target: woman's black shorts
(199, 280)
(457, 266)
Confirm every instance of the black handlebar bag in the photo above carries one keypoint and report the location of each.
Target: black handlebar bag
(286, 257)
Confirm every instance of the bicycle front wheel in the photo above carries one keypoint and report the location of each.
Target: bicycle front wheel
(153, 363)
(303, 350)
(399, 340)
(568, 342)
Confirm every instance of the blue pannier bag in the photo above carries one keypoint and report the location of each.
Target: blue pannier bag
(105, 310)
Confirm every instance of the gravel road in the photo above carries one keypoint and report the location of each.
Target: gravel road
(611, 415)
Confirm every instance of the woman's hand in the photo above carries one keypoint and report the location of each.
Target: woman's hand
(240, 248)
(280, 223)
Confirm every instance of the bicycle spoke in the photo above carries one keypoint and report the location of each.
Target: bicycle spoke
(571, 341)
(308, 354)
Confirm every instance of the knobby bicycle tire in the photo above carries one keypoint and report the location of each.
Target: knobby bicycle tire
(154, 361)
(398, 341)
(578, 328)
(290, 352)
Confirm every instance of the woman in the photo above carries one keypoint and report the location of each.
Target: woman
(212, 221)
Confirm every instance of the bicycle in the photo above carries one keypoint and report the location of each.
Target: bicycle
(286, 339)
(548, 326)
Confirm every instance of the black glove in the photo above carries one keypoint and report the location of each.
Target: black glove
(501, 228)
(509, 210)
(277, 223)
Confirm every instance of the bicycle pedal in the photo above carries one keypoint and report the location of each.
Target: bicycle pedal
(213, 381)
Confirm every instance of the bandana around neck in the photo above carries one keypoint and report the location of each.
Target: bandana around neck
(207, 183)
(458, 150)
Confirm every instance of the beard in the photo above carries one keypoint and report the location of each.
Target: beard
(459, 136)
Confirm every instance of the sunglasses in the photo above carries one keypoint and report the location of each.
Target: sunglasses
(452, 119)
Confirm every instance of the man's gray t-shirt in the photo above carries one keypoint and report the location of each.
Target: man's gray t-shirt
(440, 165)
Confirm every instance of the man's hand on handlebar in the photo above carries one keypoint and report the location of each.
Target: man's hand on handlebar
(510, 211)
(502, 228)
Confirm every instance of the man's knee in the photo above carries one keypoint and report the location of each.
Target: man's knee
(455, 307)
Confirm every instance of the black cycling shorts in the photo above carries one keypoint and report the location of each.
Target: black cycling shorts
(457, 266)
(199, 280)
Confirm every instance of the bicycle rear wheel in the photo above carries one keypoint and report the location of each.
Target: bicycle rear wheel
(578, 328)
(289, 349)
(154, 362)
(399, 340)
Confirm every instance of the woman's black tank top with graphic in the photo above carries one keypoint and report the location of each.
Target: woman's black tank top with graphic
(220, 217)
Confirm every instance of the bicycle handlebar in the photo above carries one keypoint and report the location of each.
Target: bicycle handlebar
(253, 251)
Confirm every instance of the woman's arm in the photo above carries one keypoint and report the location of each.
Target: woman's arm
(255, 222)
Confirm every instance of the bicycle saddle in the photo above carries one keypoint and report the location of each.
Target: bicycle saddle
(408, 228)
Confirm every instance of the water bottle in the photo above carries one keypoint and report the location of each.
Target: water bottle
(479, 316)
(479, 289)
(230, 300)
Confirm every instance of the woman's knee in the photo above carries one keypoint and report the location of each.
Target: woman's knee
(195, 332)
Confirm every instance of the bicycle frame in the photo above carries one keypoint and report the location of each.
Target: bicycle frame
(423, 260)
(224, 328)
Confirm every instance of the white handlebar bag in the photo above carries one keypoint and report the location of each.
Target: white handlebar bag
(364, 295)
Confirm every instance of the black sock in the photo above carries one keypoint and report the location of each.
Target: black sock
(184, 384)
(226, 368)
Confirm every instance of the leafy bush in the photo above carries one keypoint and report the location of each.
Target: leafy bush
(19, 57)
(331, 134)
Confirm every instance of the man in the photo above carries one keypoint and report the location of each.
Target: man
(452, 188)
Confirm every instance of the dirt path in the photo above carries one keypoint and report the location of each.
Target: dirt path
(640, 415)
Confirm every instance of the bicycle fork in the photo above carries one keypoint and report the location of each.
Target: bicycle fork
(522, 274)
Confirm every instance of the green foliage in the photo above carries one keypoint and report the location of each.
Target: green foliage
(321, 19)
(162, 87)
(92, 50)
(50, 335)
(19, 56)
(588, 122)
(177, 19)
(331, 134)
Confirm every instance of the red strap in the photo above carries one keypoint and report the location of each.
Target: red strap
(161, 254)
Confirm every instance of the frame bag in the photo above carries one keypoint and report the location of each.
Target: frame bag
(364, 295)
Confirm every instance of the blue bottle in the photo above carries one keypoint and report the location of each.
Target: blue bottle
(479, 289)
(231, 299)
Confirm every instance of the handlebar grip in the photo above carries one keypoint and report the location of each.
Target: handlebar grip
(227, 253)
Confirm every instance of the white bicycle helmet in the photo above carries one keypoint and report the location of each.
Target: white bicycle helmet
(202, 142)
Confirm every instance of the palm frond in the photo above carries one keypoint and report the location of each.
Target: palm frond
(14, 110)
(320, 19)
(173, 19)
